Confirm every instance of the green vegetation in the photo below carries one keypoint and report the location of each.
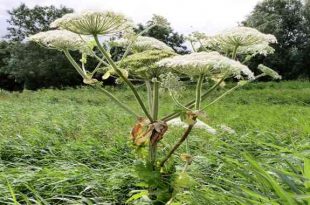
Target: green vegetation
(289, 21)
(72, 147)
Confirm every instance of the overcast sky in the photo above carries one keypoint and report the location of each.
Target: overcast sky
(185, 16)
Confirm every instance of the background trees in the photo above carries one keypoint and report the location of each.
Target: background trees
(164, 33)
(25, 21)
(23, 64)
(289, 21)
(27, 65)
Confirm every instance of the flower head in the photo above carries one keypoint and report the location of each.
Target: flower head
(143, 63)
(62, 40)
(269, 72)
(177, 122)
(244, 36)
(93, 23)
(195, 64)
(172, 83)
(143, 43)
(246, 40)
(262, 49)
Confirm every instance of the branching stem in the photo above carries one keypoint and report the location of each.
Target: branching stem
(155, 100)
(198, 92)
(177, 145)
(191, 103)
(118, 102)
(119, 73)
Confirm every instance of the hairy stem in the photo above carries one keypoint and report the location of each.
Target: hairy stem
(177, 145)
(191, 103)
(110, 95)
(234, 54)
(155, 100)
(221, 96)
(232, 89)
(118, 102)
(131, 86)
(152, 154)
(149, 94)
(74, 63)
(198, 92)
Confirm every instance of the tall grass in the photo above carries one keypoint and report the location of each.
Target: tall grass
(72, 147)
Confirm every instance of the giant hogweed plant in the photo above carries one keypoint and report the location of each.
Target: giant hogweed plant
(214, 59)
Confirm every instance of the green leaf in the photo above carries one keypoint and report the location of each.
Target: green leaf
(137, 196)
(307, 172)
(283, 195)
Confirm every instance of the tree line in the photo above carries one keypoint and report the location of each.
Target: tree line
(25, 65)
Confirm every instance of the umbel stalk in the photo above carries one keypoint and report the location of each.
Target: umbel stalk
(131, 86)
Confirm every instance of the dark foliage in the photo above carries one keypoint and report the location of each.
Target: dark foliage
(38, 67)
(289, 21)
(27, 65)
(164, 33)
(25, 21)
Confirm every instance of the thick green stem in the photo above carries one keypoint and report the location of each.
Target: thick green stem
(234, 54)
(152, 154)
(177, 145)
(191, 103)
(110, 95)
(232, 89)
(131, 86)
(118, 102)
(75, 65)
(155, 100)
(198, 92)
(149, 95)
(223, 95)
(155, 104)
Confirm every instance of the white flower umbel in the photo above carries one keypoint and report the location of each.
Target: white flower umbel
(62, 40)
(241, 40)
(143, 43)
(206, 63)
(177, 122)
(143, 65)
(244, 36)
(262, 49)
(269, 72)
(94, 23)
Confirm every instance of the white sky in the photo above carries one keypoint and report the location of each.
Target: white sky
(185, 16)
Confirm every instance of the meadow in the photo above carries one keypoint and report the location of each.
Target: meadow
(72, 146)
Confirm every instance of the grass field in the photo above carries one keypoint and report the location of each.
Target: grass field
(72, 147)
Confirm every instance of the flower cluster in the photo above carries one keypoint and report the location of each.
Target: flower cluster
(62, 40)
(171, 82)
(244, 36)
(93, 23)
(143, 64)
(262, 49)
(177, 122)
(246, 40)
(195, 64)
(143, 43)
(269, 72)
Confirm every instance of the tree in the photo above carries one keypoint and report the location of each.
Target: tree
(286, 20)
(29, 64)
(7, 81)
(307, 46)
(164, 32)
(38, 67)
(25, 21)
